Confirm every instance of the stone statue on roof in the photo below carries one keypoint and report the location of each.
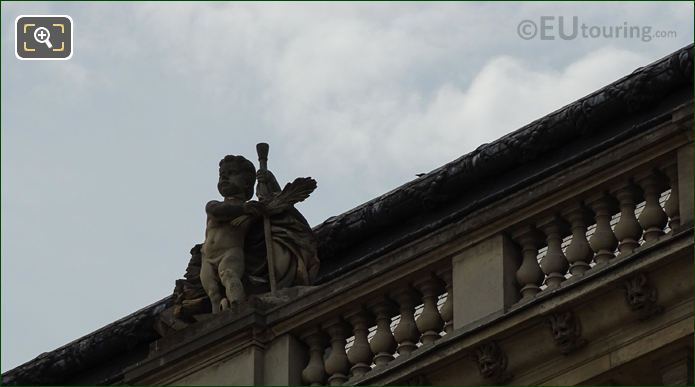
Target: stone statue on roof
(251, 246)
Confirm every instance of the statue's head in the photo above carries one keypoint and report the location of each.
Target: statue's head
(237, 177)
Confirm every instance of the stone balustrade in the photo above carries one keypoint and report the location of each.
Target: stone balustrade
(534, 250)
(385, 326)
(540, 252)
(596, 227)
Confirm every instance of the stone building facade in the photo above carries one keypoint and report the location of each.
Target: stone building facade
(560, 254)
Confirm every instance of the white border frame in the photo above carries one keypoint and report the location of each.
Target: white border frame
(72, 41)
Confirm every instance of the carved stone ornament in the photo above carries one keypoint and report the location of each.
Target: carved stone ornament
(492, 363)
(641, 297)
(189, 296)
(566, 331)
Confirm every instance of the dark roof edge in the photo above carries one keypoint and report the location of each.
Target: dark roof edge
(117, 337)
(636, 92)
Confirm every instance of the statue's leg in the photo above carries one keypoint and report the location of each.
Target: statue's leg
(231, 270)
(208, 278)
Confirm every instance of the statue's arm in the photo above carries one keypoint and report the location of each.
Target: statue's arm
(223, 211)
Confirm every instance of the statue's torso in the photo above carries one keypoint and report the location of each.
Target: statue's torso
(222, 239)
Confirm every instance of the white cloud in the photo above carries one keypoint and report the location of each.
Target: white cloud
(344, 85)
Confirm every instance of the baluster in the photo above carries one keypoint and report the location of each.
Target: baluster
(672, 205)
(603, 242)
(406, 333)
(653, 218)
(554, 264)
(628, 231)
(529, 274)
(314, 373)
(337, 363)
(383, 344)
(360, 354)
(447, 311)
(578, 252)
(429, 322)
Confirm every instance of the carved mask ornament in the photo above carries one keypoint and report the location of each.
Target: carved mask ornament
(566, 331)
(492, 362)
(641, 297)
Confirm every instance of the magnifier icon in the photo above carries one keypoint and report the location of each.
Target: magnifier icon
(42, 35)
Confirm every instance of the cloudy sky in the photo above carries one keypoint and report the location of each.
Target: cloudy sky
(108, 158)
